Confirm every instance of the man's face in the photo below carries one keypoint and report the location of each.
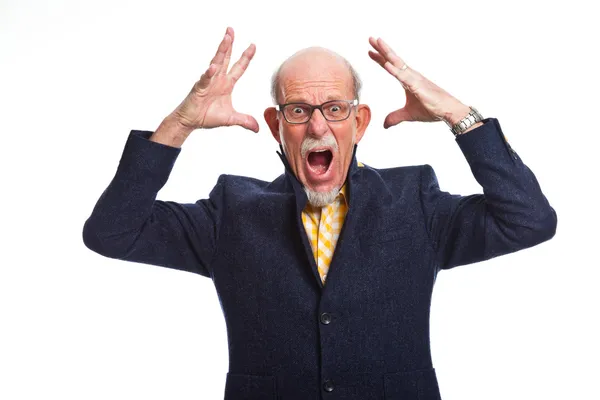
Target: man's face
(318, 151)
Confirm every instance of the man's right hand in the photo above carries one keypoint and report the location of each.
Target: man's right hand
(208, 105)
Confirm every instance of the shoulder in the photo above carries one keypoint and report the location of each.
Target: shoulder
(398, 175)
(246, 186)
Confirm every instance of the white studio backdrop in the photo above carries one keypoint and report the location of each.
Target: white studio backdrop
(76, 77)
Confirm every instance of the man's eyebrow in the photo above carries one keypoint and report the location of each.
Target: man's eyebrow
(334, 97)
(330, 97)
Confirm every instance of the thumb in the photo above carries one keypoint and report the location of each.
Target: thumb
(245, 121)
(395, 117)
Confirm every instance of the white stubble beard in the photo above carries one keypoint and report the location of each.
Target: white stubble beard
(321, 199)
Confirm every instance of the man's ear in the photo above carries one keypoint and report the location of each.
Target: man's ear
(362, 119)
(271, 119)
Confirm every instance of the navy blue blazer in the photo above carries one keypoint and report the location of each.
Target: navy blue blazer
(365, 333)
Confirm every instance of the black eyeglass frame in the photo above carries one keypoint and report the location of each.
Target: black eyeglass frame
(353, 103)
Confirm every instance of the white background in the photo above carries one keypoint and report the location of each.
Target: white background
(76, 77)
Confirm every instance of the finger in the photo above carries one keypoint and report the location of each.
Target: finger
(376, 46)
(374, 43)
(222, 51)
(408, 78)
(391, 68)
(385, 54)
(240, 66)
(378, 58)
(228, 52)
(207, 76)
(229, 31)
(244, 120)
(395, 117)
(389, 53)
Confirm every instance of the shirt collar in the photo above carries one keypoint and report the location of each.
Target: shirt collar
(343, 195)
(299, 192)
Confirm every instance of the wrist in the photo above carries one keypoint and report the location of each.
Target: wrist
(171, 132)
(456, 114)
(463, 119)
(476, 125)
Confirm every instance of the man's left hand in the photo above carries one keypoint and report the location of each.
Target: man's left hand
(425, 101)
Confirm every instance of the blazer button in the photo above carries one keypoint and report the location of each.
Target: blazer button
(328, 385)
(325, 318)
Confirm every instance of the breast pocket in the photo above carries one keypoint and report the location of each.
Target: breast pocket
(250, 387)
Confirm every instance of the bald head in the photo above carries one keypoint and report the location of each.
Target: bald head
(316, 76)
(314, 63)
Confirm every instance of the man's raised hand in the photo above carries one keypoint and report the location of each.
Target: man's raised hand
(425, 101)
(208, 105)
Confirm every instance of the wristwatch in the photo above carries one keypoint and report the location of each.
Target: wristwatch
(471, 119)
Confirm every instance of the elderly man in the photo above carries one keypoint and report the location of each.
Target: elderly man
(324, 275)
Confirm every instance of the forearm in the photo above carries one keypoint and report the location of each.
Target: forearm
(127, 202)
(515, 213)
(511, 214)
(128, 223)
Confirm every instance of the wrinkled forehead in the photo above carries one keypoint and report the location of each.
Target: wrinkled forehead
(315, 77)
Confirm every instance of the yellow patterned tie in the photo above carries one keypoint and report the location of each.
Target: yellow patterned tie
(323, 226)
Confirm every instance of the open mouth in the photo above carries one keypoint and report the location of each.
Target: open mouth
(319, 160)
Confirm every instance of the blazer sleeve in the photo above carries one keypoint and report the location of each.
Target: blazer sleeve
(510, 215)
(128, 223)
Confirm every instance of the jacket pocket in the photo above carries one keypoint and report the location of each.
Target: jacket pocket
(250, 387)
(412, 385)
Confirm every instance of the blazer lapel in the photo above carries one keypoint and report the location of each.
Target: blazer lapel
(301, 200)
(345, 248)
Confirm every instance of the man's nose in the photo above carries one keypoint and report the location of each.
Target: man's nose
(317, 125)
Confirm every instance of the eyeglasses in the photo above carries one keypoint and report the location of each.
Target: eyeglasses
(333, 111)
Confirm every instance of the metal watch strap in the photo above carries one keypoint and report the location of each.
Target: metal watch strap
(471, 119)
